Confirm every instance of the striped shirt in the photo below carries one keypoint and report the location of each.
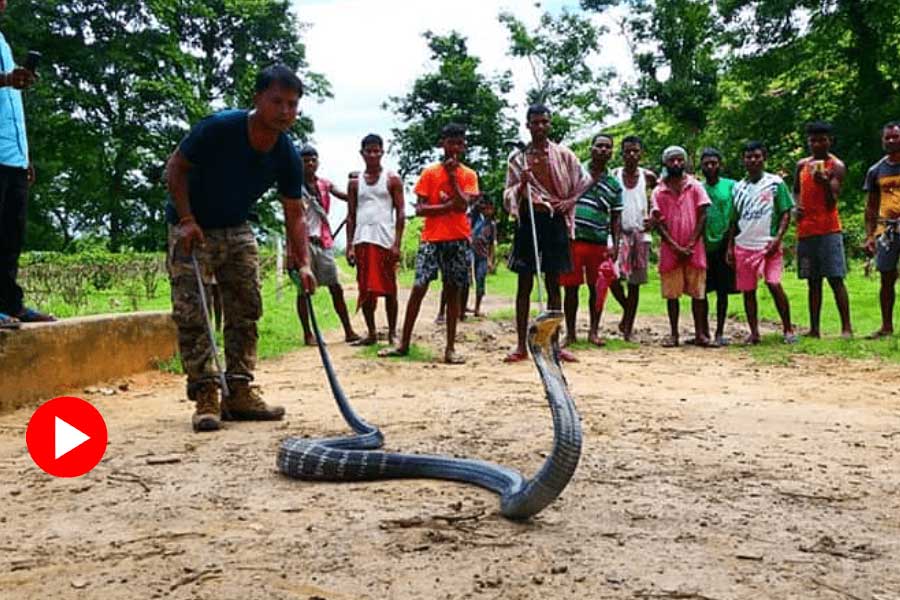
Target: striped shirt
(594, 209)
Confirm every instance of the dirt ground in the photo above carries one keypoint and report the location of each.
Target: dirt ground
(704, 475)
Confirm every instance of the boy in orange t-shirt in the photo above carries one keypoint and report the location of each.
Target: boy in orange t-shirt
(444, 191)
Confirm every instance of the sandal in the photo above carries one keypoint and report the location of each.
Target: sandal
(790, 338)
(9, 322)
(393, 352)
(877, 335)
(567, 356)
(670, 342)
(29, 315)
(452, 358)
(515, 356)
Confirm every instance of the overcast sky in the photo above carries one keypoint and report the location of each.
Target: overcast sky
(370, 51)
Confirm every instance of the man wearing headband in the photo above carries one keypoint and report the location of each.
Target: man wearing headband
(679, 213)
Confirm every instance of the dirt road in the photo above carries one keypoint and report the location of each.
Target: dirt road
(704, 476)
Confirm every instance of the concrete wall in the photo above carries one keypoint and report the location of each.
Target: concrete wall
(42, 361)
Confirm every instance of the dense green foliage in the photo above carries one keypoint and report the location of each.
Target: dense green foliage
(121, 80)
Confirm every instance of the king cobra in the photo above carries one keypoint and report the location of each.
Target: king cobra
(356, 458)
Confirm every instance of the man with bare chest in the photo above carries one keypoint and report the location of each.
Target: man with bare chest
(549, 176)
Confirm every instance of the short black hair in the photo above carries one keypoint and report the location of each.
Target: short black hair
(710, 152)
(536, 109)
(453, 130)
(279, 74)
(308, 150)
(372, 138)
(890, 125)
(819, 128)
(753, 145)
(632, 139)
(600, 135)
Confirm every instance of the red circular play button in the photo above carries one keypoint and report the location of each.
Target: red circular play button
(66, 437)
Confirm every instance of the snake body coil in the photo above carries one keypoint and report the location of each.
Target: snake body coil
(356, 458)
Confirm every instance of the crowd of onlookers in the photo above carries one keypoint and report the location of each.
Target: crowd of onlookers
(592, 225)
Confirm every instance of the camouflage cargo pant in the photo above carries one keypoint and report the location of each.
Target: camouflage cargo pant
(232, 257)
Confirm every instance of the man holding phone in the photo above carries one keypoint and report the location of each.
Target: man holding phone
(16, 175)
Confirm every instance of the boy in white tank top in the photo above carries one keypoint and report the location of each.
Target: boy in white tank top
(375, 219)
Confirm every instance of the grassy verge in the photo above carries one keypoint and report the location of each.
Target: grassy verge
(280, 330)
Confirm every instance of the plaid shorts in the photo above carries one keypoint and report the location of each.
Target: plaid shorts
(450, 258)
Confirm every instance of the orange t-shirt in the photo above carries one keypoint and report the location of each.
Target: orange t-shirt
(434, 184)
(817, 218)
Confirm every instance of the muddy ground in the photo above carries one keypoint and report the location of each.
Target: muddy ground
(704, 475)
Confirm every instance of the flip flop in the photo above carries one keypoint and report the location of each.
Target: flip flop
(722, 341)
(790, 338)
(670, 342)
(880, 334)
(9, 322)
(453, 358)
(366, 341)
(515, 356)
(567, 356)
(29, 315)
(392, 353)
(352, 339)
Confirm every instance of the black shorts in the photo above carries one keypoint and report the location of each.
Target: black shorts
(451, 259)
(553, 245)
(821, 256)
(720, 277)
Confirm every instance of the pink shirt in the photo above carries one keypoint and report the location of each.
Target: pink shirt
(679, 213)
(325, 195)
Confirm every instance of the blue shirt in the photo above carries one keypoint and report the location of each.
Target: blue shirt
(13, 143)
(228, 176)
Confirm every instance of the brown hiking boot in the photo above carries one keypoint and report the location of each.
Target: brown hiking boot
(246, 404)
(206, 417)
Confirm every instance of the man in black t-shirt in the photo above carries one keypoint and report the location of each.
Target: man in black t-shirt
(215, 177)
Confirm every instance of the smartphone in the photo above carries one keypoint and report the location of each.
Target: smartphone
(31, 62)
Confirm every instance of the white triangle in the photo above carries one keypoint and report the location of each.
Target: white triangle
(66, 438)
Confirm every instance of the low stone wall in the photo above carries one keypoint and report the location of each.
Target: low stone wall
(42, 361)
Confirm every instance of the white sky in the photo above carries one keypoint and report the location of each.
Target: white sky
(371, 50)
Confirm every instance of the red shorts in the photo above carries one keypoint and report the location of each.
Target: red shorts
(375, 271)
(586, 260)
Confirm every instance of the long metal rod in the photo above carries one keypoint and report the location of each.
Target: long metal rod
(537, 256)
(209, 330)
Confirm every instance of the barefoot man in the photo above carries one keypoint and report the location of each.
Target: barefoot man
(445, 190)
(550, 177)
(882, 218)
(634, 251)
(317, 195)
(820, 246)
(375, 219)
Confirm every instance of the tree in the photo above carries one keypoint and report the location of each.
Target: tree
(454, 91)
(559, 52)
(854, 39)
(674, 47)
(118, 91)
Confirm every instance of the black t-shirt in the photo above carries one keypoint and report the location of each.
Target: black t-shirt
(228, 176)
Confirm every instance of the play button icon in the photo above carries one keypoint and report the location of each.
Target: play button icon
(66, 437)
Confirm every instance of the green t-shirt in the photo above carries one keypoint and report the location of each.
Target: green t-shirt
(718, 214)
(593, 211)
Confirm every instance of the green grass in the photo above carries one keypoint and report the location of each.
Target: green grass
(279, 327)
(864, 307)
(416, 353)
